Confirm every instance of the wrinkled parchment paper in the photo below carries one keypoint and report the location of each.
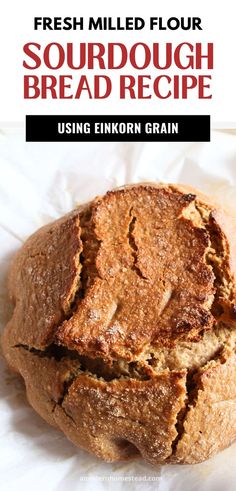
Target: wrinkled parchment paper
(38, 183)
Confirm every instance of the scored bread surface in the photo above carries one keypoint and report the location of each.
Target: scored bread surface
(124, 324)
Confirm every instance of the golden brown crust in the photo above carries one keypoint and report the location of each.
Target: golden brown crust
(142, 413)
(173, 277)
(43, 279)
(110, 300)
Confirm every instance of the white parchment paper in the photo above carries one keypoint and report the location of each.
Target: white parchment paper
(38, 183)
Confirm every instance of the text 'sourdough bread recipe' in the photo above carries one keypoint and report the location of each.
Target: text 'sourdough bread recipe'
(124, 324)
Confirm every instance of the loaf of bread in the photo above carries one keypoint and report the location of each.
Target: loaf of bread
(124, 324)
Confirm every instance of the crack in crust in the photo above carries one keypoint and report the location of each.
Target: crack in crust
(98, 368)
(193, 385)
(133, 246)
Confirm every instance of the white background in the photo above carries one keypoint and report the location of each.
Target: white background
(40, 182)
(16, 28)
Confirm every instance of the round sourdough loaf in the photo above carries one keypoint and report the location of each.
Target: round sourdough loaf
(124, 324)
